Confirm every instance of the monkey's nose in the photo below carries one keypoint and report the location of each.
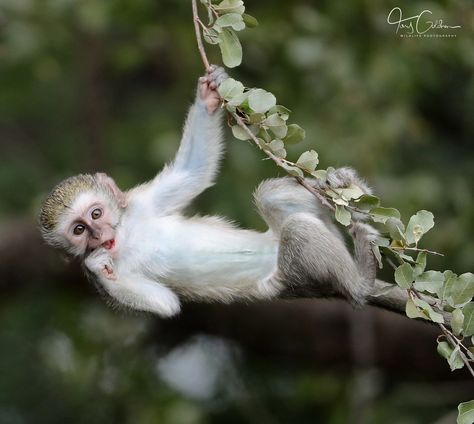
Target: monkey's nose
(96, 234)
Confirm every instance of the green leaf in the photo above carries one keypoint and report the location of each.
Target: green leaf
(292, 170)
(276, 124)
(412, 311)
(230, 88)
(468, 325)
(233, 20)
(343, 215)
(339, 201)
(308, 160)
(282, 111)
(349, 193)
(380, 214)
(263, 133)
(457, 321)
(231, 49)
(250, 21)
(420, 264)
(239, 133)
(428, 311)
(466, 413)
(429, 281)
(211, 36)
(367, 202)
(280, 131)
(463, 290)
(395, 228)
(320, 174)
(444, 349)
(295, 134)
(457, 290)
(455, 361)
(385, 289)
(256, 118)
(260, 100)
(278, 148)
(419, 224)
(273, 120)
(404, 276)
(230, 6)
(239, 100)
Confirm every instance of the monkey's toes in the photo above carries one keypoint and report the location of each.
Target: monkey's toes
(341, 177)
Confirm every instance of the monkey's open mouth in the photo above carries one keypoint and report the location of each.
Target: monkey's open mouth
(109, 244)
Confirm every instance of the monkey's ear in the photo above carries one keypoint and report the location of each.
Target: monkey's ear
(110, 183)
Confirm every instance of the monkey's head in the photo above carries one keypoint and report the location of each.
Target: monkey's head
(81, 213)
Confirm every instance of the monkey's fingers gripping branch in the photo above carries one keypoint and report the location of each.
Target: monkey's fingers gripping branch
(255, 115)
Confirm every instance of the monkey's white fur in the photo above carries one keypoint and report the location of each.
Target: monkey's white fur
(161, 256)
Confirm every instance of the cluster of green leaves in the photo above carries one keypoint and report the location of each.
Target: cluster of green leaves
(433, 295)
(225, 18)
(265, 124)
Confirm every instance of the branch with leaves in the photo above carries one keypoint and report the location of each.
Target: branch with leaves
(255, 115)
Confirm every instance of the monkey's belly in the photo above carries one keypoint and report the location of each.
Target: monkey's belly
(199, 254)
(222, 268)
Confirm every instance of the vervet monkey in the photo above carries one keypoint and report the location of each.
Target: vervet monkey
(148, 256)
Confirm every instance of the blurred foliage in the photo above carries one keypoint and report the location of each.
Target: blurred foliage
(104, 85)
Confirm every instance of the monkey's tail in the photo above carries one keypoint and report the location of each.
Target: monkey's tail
(393, 299)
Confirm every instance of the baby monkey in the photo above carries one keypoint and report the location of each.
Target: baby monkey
(147, 256)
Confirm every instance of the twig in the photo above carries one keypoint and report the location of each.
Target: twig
(201, 49)
(416, 249)
(455, 342)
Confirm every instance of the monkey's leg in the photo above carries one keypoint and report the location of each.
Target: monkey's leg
(324, 259)
(311, 255)
(278, 198)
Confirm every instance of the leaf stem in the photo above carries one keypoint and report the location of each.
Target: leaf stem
(416, 249)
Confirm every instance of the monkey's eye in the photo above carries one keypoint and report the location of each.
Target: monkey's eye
(96, 213)
(78, 229)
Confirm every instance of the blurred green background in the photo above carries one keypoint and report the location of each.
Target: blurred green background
(92, 85)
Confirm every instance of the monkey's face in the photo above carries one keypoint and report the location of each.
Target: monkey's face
(89, 223)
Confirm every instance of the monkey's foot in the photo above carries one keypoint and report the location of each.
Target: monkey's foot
(342, 178)
(364, 237)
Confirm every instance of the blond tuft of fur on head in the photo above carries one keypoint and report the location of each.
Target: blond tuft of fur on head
(61, 198)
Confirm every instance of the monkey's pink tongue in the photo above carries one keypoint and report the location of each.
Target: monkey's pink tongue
(109, 244)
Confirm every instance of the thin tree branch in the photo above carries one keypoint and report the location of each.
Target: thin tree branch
(201, 49)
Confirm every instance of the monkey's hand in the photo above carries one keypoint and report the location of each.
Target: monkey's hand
(101, 264)
(207, 88)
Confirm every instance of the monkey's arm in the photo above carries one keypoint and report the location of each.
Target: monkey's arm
(143, 294)
(197, 161)
(132, 290)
